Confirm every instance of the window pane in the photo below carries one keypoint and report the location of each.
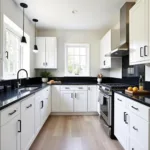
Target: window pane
(70, 51)
(76, 51)
(82, 51)
(83, 60)
(70, 64)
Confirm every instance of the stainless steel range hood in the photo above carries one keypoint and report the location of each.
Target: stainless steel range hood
(123, 49)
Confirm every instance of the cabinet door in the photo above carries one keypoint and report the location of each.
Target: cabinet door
(38, 107)
(49, 102)
(136, 146)
(138, 32)
(51, 52)
(98, 99)
(80, 101)
(10, 135)
(44, 110)
(67, 101)
(27, 118)
(92, 99)
(56, 98)
(40, 56)
(120, 127)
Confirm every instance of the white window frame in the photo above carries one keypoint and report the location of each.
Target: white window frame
(66, 59)
(12, 27)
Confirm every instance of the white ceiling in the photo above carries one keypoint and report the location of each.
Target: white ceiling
(57, 14)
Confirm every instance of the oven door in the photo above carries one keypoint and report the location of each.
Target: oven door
(105, 107)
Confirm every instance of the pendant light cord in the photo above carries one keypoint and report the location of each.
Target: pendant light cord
(35, 33)
(23, 21)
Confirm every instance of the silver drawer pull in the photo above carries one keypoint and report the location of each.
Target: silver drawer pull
(119, 100)
(12, 112)
(134, 108)
(67, 88)
(135, 128)
(29, 106)
(80, 88)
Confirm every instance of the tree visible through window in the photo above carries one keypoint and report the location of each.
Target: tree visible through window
(77, 60)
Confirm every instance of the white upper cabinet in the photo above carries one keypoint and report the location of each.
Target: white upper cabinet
(47, 53)
(108, 43)
(139, 33)
(51, 52)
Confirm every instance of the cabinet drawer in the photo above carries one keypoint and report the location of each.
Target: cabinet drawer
(27, 103)
(66, 88)
(120, 100)
(46, 92)
(139, 109)
(76, 88)
(9, 113)
(139, 130)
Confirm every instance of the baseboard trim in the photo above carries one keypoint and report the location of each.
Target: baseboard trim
(74, 114)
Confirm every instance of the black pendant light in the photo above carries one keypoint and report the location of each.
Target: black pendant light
(35, 50)
(23, 39)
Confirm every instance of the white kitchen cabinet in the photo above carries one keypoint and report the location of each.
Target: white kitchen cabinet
(139, 32)
(10, 134)
(121, 126)
(38, 106)
(92, 99)
(56, 98)
(27, 122)
(98, 99)
(40, 56)
(67, 98)
(131, 127)
(47, 53)
(51, 52)
(80, 101)
(108, 43)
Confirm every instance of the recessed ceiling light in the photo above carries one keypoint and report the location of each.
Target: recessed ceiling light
(74, 11)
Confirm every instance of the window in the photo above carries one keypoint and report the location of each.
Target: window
(77, 60)
(15, 56)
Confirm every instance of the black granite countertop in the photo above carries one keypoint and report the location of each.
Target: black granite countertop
(143, 99)
(76, 83)
(12, 96)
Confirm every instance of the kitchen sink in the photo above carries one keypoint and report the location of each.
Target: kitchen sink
(27, 88)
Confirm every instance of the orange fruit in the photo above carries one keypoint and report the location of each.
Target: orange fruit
(130, 88)
(135, 89)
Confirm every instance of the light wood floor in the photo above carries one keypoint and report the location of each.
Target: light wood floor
(74, 133)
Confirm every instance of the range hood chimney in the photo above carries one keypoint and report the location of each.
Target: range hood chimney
(123, 49)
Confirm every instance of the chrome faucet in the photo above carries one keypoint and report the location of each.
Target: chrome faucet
(19, 83)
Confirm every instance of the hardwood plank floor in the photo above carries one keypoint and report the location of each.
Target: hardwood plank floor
(74, 133)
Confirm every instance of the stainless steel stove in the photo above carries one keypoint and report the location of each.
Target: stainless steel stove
(106, 98)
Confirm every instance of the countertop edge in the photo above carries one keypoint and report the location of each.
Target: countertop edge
(133, 99)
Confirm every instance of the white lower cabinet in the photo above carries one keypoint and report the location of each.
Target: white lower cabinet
(21, 122)
(67, 101)
(10, 134)
(92, 98)
(80, 101)
(74, 98)
(56, 98)
(130, 128)
(27, 122)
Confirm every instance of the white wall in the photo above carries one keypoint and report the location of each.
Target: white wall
(13, 12)
(76, 36)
